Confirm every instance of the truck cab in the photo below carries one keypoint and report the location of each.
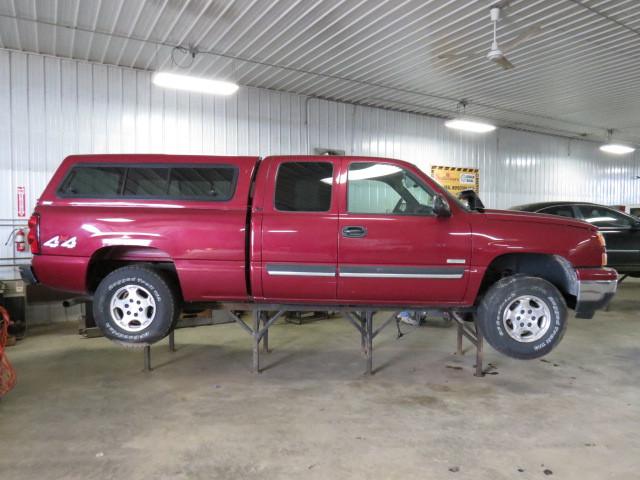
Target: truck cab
(356, 229)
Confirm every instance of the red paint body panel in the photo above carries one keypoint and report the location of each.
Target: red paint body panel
(402, 241)
(64, 273)
(596, 274)
(498, 232)
(495, 233)
(294, 238)
(205, 240)
(203, 280)
(208, 241)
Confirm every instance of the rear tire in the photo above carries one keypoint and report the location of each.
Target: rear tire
(522, 317)
(135, 306)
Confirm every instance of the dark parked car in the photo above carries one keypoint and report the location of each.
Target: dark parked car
(621, 231)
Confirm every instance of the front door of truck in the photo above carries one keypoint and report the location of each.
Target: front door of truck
(392, 247)
(300, 230)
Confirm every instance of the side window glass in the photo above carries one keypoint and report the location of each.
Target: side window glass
(379, 188)
(146, 182)
(210, 183)
(604, 217)
(93, 182)
(370, 196)
(304, 187)
(561, 210)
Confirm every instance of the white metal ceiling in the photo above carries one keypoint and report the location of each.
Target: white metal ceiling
(581, 75)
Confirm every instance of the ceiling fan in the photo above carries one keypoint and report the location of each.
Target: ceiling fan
(497, 54)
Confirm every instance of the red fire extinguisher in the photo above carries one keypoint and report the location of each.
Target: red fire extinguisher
(19, 239)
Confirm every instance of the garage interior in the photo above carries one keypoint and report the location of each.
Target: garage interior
(375, 78)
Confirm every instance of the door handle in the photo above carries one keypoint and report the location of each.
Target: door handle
(354, 232)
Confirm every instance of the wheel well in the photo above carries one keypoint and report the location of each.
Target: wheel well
(553, 268)
(108, 259)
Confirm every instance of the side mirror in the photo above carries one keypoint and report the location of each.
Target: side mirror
(441, 207)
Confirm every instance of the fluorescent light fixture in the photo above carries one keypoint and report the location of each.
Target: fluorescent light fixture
(469, 125)
(616, 148)
(194, 84)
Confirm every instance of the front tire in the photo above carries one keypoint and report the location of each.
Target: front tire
(135, 305)
(522, 317)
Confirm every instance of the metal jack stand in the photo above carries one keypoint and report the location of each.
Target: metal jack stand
(147, 351)
(258, 332)
(363, 322)
(474, 336)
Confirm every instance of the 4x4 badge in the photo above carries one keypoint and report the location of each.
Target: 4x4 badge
(54, 242)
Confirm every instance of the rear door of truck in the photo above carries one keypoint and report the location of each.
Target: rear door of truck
(294, 250)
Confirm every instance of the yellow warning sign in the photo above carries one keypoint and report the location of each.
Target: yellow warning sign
(456, 179)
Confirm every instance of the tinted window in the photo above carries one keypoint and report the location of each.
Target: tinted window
(215, 183)
(561, 210)
(146, 181)
(304, 186)
(93, 181)
(604, 217)
(386, 189)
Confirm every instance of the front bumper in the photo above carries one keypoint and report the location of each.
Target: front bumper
(596, 288)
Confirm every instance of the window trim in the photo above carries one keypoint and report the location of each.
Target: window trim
(331, 197)
(411, 175)
(132, 165)
(570, 206)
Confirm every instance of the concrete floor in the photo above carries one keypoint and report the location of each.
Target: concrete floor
(84, 409)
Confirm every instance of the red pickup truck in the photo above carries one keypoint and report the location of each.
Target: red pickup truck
(147, 235)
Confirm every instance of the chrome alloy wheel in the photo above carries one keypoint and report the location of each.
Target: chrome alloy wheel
(527, 319)
(133, 308)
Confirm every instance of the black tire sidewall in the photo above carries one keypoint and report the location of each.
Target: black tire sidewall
(166, 309)
(491, 310)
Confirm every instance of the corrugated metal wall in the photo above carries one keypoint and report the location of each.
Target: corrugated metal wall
(50, 108)
(515, 167)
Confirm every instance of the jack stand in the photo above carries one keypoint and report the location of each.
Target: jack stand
(475, 337)
(368, 338)
(256, 343)
(259, 334)
(147, 351)
(265, 338)
(147, 358)
(363, 322)
(172, 341)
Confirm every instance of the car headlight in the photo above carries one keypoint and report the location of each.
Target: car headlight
(603, 244)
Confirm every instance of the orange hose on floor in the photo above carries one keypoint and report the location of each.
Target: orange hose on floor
(7, 373)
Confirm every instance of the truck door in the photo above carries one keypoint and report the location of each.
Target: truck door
(300, 229)
(392, 248)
